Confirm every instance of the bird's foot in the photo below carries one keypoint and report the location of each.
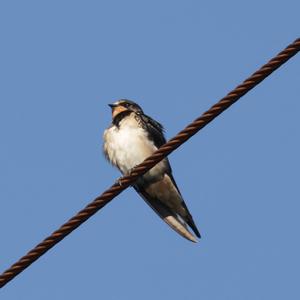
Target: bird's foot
(119, 181)
(131, 170)
(129, 173)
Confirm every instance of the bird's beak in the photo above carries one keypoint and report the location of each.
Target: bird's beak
(116, 109)
(112, 105)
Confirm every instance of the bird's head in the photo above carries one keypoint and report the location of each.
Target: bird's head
(124, 105)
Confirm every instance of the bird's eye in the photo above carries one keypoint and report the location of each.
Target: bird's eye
(126, 105)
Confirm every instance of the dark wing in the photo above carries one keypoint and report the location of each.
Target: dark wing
(156, 134)
(155, 130)
(188, 219)
(165, 213)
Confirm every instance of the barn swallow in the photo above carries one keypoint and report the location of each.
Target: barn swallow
(131, 138)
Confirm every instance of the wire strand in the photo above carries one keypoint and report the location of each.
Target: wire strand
(157, 156)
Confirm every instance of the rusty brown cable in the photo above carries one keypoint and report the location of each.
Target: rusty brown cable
(161, 153)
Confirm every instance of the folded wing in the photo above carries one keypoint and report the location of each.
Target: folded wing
(165, 199)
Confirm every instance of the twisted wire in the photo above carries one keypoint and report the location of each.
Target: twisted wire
(157, 156)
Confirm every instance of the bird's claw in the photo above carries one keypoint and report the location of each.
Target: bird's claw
(119, 181)
(131, 170)
(129, 173)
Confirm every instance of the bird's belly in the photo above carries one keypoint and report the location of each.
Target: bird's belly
(129, 147)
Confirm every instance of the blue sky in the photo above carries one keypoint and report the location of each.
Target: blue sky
(63, 61)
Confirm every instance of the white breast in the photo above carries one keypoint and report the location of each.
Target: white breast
(128, 145)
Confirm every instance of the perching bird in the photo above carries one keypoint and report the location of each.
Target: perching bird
(132, 137)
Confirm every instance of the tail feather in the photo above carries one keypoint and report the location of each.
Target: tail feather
(188, 217)
(168, 216)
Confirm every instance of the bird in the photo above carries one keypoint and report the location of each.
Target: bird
(131, 138)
